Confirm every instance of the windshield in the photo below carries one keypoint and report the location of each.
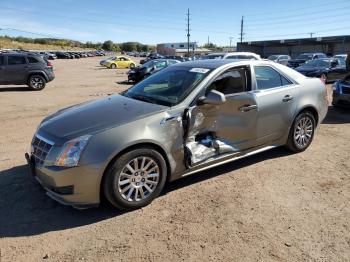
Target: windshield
(213, 56)
(272, 57)
(318, 63)
(168, 87)
(305, 56)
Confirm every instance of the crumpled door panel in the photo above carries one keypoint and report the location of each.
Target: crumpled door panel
(201, 142)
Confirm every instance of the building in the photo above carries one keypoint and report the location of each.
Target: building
(330, 45)
(180, 49)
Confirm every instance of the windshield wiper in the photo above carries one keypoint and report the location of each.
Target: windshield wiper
(142, 98)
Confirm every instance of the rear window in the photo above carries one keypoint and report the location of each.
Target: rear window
(2, 60)
(32, 60)
(16, 60)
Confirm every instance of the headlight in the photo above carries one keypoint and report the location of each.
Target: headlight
(335, 86)
(71, 151)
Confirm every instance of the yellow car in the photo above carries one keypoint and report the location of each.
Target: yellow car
(118, 62)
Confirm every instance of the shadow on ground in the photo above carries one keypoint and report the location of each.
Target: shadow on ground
(14, 89)
(26, 210)
(125, 83)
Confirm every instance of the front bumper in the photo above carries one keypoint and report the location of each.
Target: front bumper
(77, 187)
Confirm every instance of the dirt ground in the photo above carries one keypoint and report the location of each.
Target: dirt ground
(275, 206)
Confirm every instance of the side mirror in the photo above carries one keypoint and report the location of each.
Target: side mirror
(213, 98)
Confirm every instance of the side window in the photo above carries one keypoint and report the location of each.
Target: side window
(315, 57)
(267, 77)
(231, 82)
(16, 60)
(32, 60)
(2, 60)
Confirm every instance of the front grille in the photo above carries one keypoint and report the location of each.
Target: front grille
(346, 90)
(40, 149)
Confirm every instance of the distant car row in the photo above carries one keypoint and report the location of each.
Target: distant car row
(72, 55)
(51, 55)
(308, 64)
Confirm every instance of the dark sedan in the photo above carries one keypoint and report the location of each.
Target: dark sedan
(303, 58)
(149, 68)
(341, 93)
(328, 69)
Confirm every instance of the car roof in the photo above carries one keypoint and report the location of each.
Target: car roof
(210, 63)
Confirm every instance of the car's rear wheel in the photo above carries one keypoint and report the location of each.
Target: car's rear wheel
(301, 132)
(113, 66)
(135, 179)
(37, 82)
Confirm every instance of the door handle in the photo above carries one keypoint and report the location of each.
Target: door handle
(246, 108)
(287, 98)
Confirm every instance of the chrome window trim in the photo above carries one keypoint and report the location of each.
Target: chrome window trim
(293, 83)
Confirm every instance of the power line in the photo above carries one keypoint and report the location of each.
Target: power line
(304, 33)
(300, 8)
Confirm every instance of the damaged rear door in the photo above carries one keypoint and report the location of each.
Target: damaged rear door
(214, 130)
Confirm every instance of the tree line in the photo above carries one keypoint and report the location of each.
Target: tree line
(65, 43)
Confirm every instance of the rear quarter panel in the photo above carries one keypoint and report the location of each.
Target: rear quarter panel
(313, 93)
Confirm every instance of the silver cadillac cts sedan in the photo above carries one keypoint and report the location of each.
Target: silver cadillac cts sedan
(187, 118)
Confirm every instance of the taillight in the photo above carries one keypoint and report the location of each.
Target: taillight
(48, 63)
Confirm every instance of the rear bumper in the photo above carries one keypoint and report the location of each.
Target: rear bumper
(68, 186)
(341, 100)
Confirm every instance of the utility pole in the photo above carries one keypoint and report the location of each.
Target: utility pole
(208, 41)
(311, 34)
(188, 32)
(231, 38)
(242, 23)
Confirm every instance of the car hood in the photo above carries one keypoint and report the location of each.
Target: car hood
(309, 68)
(96, 116)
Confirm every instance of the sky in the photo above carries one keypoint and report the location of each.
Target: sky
(162, 21)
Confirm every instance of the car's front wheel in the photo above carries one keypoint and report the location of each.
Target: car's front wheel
(132, 65)
(301, 132)
(135, 179)
(37, 82)
(113, 66)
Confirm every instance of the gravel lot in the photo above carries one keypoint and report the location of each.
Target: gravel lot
(274, 206)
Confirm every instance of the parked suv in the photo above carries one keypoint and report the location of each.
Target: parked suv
(303, 58)
(25, 69)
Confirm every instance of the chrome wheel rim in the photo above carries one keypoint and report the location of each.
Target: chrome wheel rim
(36, 82)
(303, 132)
(138, 179)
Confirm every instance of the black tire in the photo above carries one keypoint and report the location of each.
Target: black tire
(294, 142)
(113, 66)
(132, 65)
(111, 186)
(36, 82)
